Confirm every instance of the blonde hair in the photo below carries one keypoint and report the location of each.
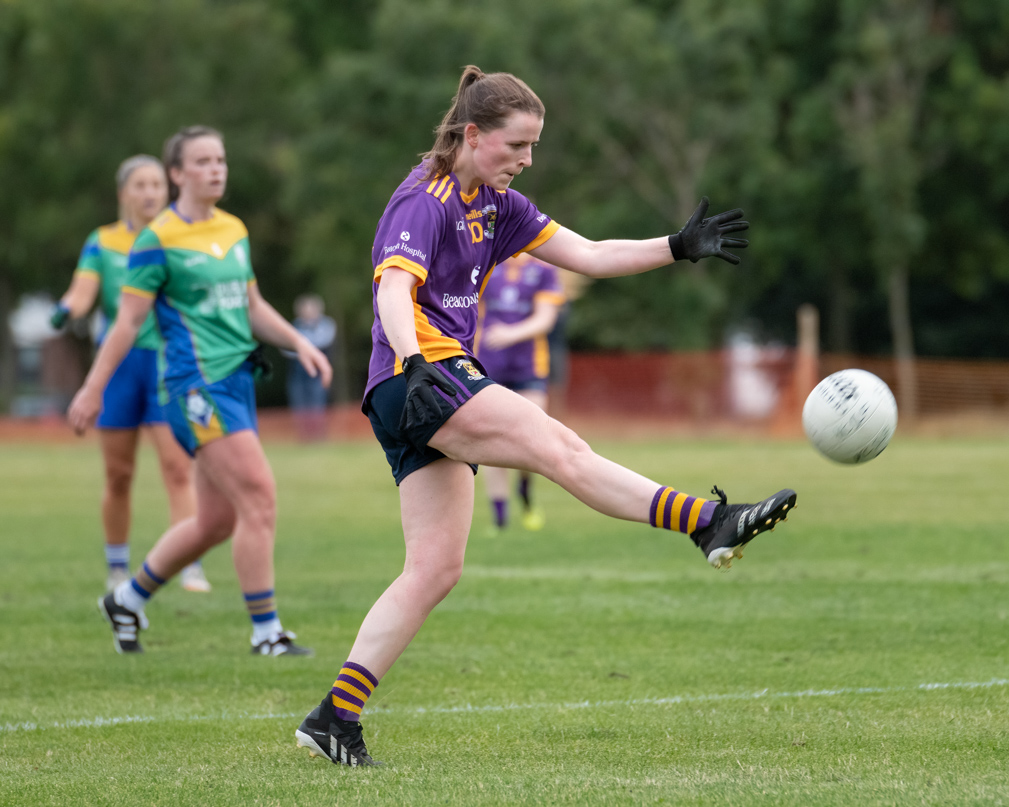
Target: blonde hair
(172, 153)
(483, 99)
(131, 164)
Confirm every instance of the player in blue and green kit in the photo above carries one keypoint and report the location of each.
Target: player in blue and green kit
(192, 266)
(437, 414)
(518, 308)
(130, 401)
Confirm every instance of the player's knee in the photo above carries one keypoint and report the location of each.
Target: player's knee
(119, 477)
(217, 527)
(437, 577)
(176, 473)
(565, 452)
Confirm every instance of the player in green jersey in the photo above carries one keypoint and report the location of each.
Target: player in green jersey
(130, 400)
(191, 265)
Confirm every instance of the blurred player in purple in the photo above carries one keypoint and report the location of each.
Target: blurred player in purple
(438, 415)
(518, 309)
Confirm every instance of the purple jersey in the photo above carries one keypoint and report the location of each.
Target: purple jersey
(451, 242)
(511, 294)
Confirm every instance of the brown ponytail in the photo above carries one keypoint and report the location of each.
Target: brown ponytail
(172, 155)
(484, 99)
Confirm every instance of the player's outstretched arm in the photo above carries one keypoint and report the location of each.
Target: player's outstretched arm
(269, 326)
(87, 403)
(699, 238)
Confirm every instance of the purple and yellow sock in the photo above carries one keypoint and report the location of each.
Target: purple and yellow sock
(500, 512)
(145, 582)
(672, 510)
(351, 690)
(261, 605)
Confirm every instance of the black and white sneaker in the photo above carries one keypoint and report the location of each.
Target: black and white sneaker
(280, 644)
(734, 525)
(326, 735)
(126, 625)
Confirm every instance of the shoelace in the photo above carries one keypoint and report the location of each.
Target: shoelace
(717, 491)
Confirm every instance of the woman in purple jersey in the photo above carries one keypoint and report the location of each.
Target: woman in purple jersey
(435, 412)
(518, 309)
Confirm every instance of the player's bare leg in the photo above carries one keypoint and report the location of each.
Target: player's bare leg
(496, 482)
(498, 427)
(436, 504)
(501, 428)
(235, 494)
(119, 452)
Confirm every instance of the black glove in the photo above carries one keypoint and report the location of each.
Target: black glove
(262, 367)
(59, 316)
(421, 408)
(705, 238)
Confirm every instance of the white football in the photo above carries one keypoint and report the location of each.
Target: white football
(850, 416)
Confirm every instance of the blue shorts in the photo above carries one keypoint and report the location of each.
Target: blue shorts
(130, 399)
(407, 453)
(205, 413)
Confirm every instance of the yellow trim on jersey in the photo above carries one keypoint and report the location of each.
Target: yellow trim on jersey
(83, 271)
(117, 237)
(486, 279)
(545, 235)
(434, 345)
(214, 236)
(440, 191)
(469, 198)
(399, 262)
(541, 356)
(147, 295)
(552, 297)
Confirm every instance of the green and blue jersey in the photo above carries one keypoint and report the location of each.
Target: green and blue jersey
(104, 257)
(198, 273)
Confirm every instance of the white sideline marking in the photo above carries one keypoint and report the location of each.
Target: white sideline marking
(101, 722)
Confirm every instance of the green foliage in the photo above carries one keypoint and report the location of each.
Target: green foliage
(86, 83)
(859, 136)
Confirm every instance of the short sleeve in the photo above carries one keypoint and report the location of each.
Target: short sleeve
(148, 266)
(90, 261)
(524, 226)
(408, 235)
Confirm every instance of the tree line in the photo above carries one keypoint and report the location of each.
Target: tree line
(867, 140)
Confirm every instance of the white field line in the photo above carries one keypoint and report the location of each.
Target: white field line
(101, 722)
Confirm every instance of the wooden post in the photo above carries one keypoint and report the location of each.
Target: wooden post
(807, 354)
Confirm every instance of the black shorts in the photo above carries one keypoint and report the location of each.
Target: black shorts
(405, 452)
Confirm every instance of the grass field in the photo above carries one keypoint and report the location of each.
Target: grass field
(857, 655)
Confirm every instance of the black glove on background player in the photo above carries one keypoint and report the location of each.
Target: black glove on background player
(60, 315)
(705, 238)
(421, 408)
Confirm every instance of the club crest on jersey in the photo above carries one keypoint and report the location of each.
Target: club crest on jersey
(198, 409)
(491, 212)
(471, 371)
